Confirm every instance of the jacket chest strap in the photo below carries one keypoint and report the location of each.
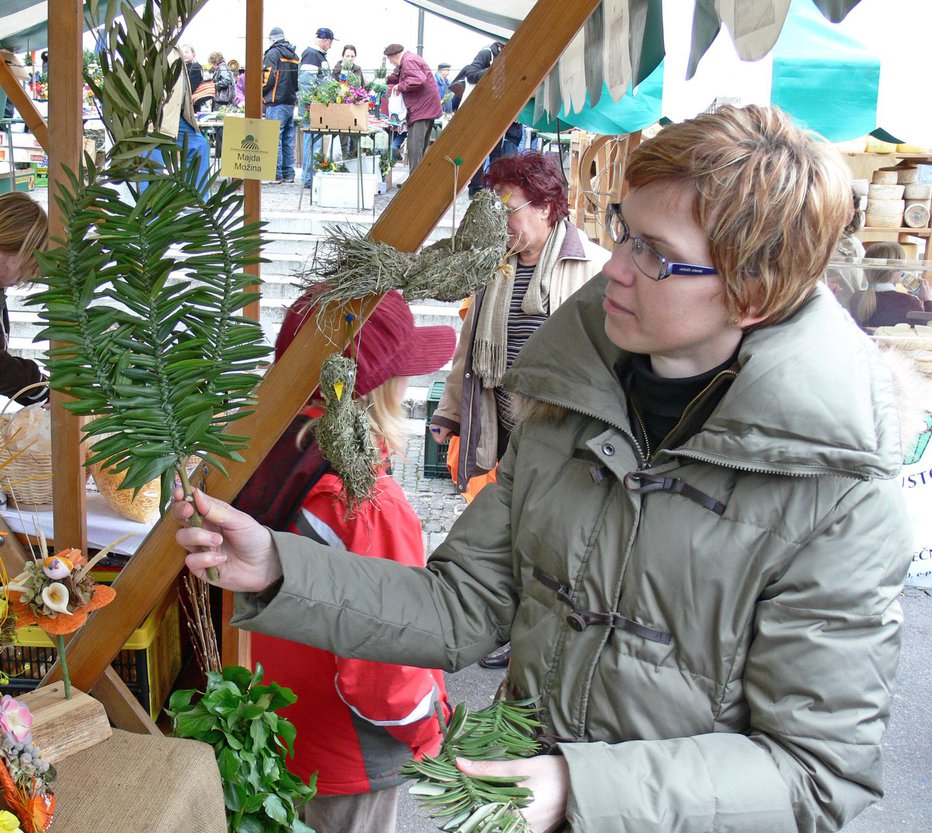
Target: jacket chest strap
(579, 619)
(641, 482)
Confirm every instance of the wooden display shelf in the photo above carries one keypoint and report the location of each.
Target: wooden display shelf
(915, 232)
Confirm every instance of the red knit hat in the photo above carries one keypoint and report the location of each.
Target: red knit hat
(387, 345)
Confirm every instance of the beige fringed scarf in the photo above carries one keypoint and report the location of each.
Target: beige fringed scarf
(490, 347)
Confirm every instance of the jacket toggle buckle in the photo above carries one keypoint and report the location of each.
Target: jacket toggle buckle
(642, 482)
(579, 620)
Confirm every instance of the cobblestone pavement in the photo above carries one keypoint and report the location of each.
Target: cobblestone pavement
(434, 499)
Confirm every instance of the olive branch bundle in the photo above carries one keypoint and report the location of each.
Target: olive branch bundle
(478, 803)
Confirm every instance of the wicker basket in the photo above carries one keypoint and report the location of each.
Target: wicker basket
(25, 465)
(144, 508)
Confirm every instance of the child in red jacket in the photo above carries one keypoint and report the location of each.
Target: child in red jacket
(357, 721)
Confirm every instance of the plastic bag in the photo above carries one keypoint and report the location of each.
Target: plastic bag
(396, 108)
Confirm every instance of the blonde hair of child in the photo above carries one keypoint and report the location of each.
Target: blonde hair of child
(867, 300)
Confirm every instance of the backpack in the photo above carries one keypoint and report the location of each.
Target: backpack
(277, 488)
(223, 80)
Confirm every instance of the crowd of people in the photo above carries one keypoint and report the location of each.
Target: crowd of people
(417, 96)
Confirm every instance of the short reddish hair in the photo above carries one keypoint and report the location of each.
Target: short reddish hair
(538, 175)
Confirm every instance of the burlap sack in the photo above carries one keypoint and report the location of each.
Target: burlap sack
(141, 783)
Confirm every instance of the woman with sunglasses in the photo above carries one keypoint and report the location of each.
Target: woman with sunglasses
(697, 538)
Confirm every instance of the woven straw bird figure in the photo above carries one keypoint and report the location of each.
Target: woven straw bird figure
(354, 266)
(343, 432)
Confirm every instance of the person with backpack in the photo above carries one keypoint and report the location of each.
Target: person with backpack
(461, 85)
(280, 94)
(357, 722)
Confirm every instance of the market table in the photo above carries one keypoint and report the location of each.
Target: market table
(372, 132)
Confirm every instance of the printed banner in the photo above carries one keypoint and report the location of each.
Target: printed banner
(250, 148)
(916, 481)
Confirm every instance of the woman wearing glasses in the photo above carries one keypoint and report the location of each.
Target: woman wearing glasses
(551, 259)
(696, 540)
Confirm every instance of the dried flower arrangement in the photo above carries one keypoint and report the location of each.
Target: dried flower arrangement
(57, 593)
(25, 779)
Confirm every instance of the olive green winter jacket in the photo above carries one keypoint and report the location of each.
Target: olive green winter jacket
(713, 634)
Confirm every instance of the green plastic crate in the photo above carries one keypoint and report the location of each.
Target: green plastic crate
(435, 454)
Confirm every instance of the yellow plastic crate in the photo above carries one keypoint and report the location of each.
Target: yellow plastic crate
(148, 664)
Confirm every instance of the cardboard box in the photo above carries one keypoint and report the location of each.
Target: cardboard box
(340, 190)
(348, 118)
(25, 181)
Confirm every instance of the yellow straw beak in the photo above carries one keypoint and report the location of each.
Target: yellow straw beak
(338, 390)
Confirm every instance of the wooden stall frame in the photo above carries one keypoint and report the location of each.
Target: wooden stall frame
(405, 224)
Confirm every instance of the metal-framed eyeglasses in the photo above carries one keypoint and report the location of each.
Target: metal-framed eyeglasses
(515, 209)
(648, 260)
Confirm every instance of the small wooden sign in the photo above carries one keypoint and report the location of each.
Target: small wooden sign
(250, 148)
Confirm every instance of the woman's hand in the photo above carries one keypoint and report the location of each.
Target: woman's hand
(440, 434)
(234, 542)
(547, 776)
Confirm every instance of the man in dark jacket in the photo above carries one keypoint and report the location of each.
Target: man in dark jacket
(415, 81)
(280, 94)
(315, 69)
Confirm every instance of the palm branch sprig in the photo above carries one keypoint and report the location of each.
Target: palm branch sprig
(70, 304)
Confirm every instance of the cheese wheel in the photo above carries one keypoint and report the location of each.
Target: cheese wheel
(916, 216)
(886, 192)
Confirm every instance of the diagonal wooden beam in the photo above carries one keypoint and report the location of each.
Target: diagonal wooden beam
(405, 224)
(24, 105)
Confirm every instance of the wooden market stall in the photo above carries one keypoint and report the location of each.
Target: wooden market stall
(461, 148)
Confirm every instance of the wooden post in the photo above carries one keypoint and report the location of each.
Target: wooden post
(66, 143)
(475, 129)
(235, 645)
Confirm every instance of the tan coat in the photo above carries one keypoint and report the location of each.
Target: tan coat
(474, 416)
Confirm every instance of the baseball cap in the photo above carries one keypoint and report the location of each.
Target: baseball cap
(393, 49)
(389, 344)
(325, 34)
(443, 66)
(276, 33)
